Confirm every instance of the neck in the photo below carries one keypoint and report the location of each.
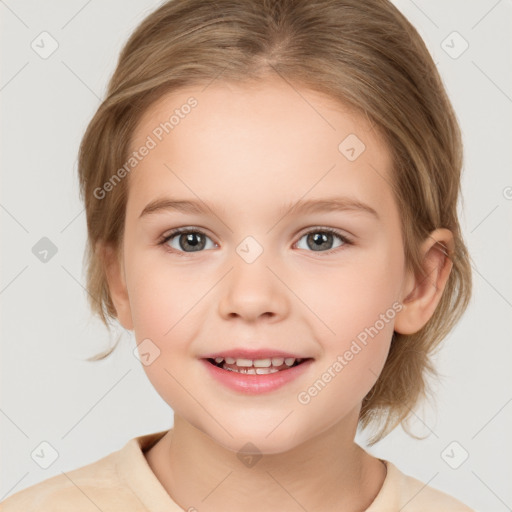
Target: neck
(330, 469)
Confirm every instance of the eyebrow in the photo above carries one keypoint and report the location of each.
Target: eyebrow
(327, 204)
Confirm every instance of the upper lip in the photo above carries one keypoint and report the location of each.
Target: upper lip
(243, 353)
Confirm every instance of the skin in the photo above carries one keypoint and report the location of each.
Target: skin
(249, 150)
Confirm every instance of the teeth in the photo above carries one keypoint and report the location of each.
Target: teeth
(264, 371)
(258, 363)
(243, 362)
(262, 363)
(252, 371)
(256, 366)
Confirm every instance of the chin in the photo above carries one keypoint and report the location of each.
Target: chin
(255, 439)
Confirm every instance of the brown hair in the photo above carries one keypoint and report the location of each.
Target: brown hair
(364, 54)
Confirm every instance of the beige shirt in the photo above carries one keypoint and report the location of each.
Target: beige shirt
(124, 482)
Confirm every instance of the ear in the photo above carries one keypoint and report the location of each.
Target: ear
(114, 271)
(422, 293)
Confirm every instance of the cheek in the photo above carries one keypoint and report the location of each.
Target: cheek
(362, 319)
(360, 307)
(162, 299)
(157, 292)
(355, 295)
(152, 309)
(166, 306)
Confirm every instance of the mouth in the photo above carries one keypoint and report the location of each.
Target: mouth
(263, 366)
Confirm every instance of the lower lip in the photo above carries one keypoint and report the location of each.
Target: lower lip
(256, 384)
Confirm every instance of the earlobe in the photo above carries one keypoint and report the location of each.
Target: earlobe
(114, 272)
(423, 292)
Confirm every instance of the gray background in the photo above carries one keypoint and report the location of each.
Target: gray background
(87, 410)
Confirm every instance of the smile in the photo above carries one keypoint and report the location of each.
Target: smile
(256, 366)
(255, 376)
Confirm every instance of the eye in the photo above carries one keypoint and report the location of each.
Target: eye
(319, 239)
(185, 239)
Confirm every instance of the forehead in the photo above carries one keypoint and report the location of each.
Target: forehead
(267, 141)
(269, 104)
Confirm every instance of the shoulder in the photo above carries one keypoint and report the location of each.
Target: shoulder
(410, 494)
(96, 486)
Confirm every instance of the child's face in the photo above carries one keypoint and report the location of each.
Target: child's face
(250, 154)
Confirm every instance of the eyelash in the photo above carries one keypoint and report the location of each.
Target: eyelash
(346, 240)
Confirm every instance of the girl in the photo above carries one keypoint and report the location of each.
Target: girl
(271, 191)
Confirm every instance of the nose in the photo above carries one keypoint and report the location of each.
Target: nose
(254, 290)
